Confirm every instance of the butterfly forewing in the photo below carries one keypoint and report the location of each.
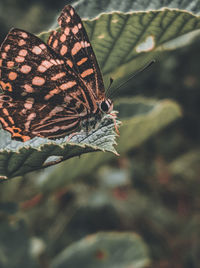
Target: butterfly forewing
(73, 44)
(29, 66)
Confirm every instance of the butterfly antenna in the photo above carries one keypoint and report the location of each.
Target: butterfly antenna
(111, 81)
(131, 77)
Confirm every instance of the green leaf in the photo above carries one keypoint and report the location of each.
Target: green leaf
(124, 42)
(17, 158)
(8, 207)
(14, 246)
(150, 116)
(92, 8)
(141, 118)
(118, 250)
(186, 166)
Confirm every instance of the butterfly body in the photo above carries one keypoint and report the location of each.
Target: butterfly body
(54, 89)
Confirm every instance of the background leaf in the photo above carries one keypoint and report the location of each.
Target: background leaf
(105, 250)
(153, 187)
(90, 8)
(11, 254)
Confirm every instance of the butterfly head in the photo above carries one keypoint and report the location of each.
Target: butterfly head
(106, 106)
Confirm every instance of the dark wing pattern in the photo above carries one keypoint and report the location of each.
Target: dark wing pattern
(28, 119)
(30, 67)
(73, 44)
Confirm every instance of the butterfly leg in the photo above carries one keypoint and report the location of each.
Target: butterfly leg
(71, 135)
(114, 116)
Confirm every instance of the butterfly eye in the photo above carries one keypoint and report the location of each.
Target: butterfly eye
(106, 106)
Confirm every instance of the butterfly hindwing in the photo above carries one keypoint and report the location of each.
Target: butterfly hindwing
(36, 119)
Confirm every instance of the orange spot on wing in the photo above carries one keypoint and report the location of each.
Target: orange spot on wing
(36, 50)
(25, 69)
(46, 64)
(42, 69)
(19, 59)
(53, 61)
(28, 104)
(25, 138)
(71, 12)
(12, 75)
(7, 48)
(28, 88)
(15, 132)
(13, 129)
(82, 61)
(63, 50)
(68, 85)
(87, 72)
(76, 48)
(24, 35)
(75, 30)
(4, 123)
(54, 91)
(10, 64)
(23, 52)
(50, 39)
(4, 55)
(59, 61)
(21, 42)
(42, 46)
(63, 38)
(68, 19)
(55, 43)
(67, 30)
(38, 81)
(11, 120)
(51, 93)
(5, 111)
(57, 76)
(69, 62)
(6, 86)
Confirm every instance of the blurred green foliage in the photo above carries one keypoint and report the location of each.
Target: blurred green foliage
(152, 189)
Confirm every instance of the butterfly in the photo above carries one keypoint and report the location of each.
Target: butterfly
(51, 89)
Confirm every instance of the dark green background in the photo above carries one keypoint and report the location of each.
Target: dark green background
(159, 203)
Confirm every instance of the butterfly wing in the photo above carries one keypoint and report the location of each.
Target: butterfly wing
(73, 44)
(41, 93)
(49, 88)
(28, 66)
(25, 120)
